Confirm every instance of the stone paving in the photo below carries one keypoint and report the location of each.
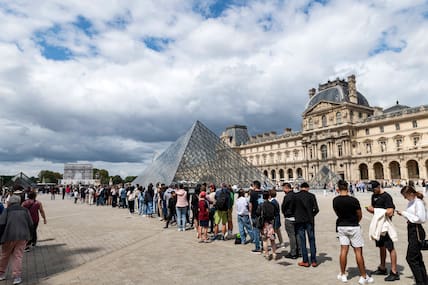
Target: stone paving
(84, 244)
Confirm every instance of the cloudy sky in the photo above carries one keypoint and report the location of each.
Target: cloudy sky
(115, 82)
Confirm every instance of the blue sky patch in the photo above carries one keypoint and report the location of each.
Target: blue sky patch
(309, 6)
(48, 48)
(7, 10)
(266, 22)
(84, 25)
(384, 46)
(215, 9)
(157, 44)
(120, 22)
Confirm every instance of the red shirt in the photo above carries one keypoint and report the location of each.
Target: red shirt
(33, 206)
(204, 214)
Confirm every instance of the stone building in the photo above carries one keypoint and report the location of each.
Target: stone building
(342, 135)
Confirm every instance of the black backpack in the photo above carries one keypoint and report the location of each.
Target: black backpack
(269, 211)
(221, 201)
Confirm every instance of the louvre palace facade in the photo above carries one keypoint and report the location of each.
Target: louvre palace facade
(341, 132)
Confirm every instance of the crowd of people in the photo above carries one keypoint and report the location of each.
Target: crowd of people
(258, 213)
(208, 210)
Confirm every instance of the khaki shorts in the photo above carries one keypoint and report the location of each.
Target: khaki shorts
(220, 217)
(229, 214)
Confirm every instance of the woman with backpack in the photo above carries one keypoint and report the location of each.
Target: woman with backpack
(266, 211)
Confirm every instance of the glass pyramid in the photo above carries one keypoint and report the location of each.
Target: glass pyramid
(200, 156)
(324, 177)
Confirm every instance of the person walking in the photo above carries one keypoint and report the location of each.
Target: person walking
(348, 211)
(415, 214)
(306, 210)
(17, 224)
(35, 208)
(383, 207)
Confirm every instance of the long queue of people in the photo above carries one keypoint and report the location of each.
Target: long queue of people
(209, 210)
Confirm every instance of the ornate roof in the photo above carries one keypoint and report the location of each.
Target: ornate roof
(335, 94)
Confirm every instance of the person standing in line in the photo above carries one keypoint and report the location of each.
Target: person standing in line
(244, 221)
(203, 217)
(172, 202)
(382, 200)
(306, 210)
(348, 211)
(256, 198)
(35, 208)
(130, 194)
(18, 227)
(415, 214)
(288, 210)
(222, 201)
(267, 210)
(181, 208)
(277, 220)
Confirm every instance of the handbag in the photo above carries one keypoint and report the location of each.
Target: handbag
(259, 221)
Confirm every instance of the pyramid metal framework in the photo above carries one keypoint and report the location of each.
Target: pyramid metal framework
(200, 156)
(324, 177)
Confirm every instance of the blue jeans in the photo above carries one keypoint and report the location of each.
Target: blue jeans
(140, 207)
(256, 234)
(244, 223)
(302, 229)
(181, 217)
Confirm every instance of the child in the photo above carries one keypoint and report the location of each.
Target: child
(171, 208)
(204, 217)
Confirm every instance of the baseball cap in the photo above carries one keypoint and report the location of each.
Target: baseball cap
(373, 185)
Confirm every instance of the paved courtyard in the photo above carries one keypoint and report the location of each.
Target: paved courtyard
(84, 244)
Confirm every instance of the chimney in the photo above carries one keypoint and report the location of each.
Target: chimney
(312, 93)
(352, 89)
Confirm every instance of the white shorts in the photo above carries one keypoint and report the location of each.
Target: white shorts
(350, 236)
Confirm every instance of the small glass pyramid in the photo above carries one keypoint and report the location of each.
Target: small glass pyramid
(200, 156)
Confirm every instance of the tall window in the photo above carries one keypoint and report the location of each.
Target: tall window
(323, 152)
(338, 118)
(381, 129)
(324, 121)
(397, 126)
(311, 155)
(415, 123)
(311, 124)
(339, 150)
(367, 131)
(351, 115)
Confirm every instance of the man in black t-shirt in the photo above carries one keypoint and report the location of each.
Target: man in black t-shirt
(381, 199)
(348, 211)
(256, 198)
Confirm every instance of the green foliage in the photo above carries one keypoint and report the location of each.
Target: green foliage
(48, 176)
(101, 174)
(116, 179)
(129, 179)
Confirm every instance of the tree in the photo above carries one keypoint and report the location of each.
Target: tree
(129, 179)
(102, 175)
(48, 176)
(116, 179)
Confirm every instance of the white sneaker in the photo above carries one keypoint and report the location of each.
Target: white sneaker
(366, 280)
(17, 280)
(342, 278)
(2, 277)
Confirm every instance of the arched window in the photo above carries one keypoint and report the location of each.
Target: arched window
(273, 174)
(324, 121)
(323, 152)
(338, 118)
